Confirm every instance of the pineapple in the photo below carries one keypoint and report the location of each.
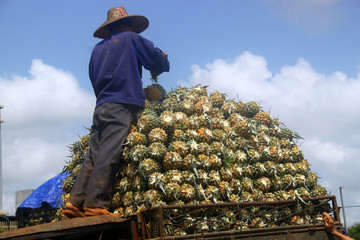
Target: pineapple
(237, 171)
(192, 122)
(203, 106)
(204, 148)
(235, 118)
(157, 181)
(217, 148)
(138, 153)
(172, 191)
(135, 138)
(116, 201)
(288, 134)
(174, 176)
(205, 135)
(217, 99)
(76, 169)
(318, 191)
(189, 162)
(170, 104)
(242, 129)
(263, 184)
(191, 134)
(178, 135)
(229, 107)
(263, 118)
(189, 177)
(260, 169)
(225, 189)
(156, 151)
(148, 121)
(179, 117)
(68, 183)
(271, 168)
(188, 192)
(198, 91)
(253, 108)
(240, 157)
(202, 177)
(186, 107)
(215, 162)
(153, 198)
(155, 92)
(172, 160)
(226, 174)
(290, 168)
(214, 178)
(212, 193)
(148, 166)
(127, 199)
(302, 166)
(179, 147)
(311, 179)
(157, 135)
(167, 120)
(236, 186)
(191, 148)
(247, 184)
(123, 185)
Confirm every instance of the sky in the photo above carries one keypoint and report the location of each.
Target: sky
(299, 58)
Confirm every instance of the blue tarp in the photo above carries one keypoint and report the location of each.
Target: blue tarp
(49, 192)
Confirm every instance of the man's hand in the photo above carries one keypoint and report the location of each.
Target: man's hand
(154, 76)
(329, 223)
(165, 53)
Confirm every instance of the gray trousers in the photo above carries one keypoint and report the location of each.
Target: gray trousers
(111, 125)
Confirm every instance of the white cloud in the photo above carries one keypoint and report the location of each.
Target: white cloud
(226, 74)
(43, 114)
(32, 159)
(49, 95)
(322, 108)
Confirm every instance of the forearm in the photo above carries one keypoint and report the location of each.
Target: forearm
(340, 236)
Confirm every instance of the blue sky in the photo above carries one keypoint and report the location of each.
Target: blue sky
(300, 58)
(60, 33)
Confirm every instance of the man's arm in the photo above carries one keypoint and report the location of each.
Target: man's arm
(330, 227)
(151, 57)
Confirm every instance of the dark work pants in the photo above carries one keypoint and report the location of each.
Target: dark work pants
(111, 124)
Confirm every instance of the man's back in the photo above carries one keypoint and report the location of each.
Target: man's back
(115, 68)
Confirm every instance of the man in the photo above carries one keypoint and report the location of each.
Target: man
(115, 71)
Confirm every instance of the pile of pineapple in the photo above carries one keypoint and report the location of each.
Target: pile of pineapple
(190, 146)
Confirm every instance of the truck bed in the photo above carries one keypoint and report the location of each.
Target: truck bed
(106, 228)
(160, 223)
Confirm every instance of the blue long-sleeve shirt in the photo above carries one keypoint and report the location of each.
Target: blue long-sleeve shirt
(115, 67)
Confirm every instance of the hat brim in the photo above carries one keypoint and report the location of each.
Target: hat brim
(138, 24)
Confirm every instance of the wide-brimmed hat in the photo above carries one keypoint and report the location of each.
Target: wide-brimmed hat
(117, 14)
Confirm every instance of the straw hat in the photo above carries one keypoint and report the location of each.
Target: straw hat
(117, 14)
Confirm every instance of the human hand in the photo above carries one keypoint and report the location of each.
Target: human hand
(154, 76)
(165, 53)
(329, 223)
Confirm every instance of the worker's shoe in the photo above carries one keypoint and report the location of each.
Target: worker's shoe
(71, 211)
(89, 211)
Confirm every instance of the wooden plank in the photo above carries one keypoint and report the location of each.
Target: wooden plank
(75, 226)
